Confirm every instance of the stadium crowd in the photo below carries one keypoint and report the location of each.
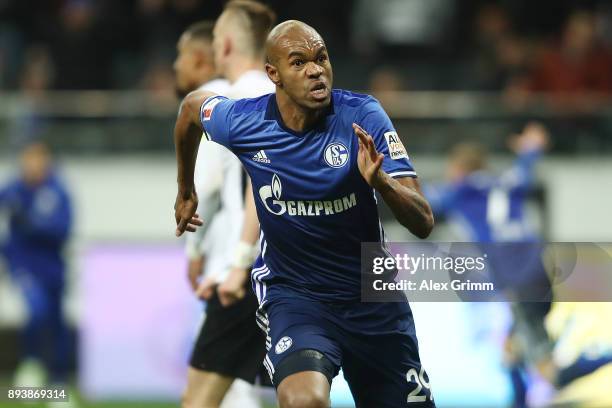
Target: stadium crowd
(516, 46)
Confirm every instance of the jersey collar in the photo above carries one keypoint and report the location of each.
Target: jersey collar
(272, 113)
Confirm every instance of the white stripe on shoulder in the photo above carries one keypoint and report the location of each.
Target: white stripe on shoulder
(402, 174)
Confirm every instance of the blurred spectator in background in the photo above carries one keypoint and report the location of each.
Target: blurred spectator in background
(403, 23)
(603, 18)
(576, 72)
(161, 21)
(36, 77)
(156, 28)
(384, 84)
(82, 48)
(500, 54)
(38, 71)
(112, 43)
(40, 219)
(158, 79)
(572, 78)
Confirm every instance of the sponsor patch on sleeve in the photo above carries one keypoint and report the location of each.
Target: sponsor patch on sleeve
(396, 147)
(207, 108)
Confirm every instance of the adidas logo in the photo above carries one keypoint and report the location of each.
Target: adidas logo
(261, 157)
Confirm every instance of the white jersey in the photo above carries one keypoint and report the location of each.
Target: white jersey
(219, 86)
(220, 182)
(208, 179)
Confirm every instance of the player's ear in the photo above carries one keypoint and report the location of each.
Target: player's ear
(272, 72)
(199, 58)
(227, 46)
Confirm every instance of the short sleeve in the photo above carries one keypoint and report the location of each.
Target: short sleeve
(215, 117)
(376, 122)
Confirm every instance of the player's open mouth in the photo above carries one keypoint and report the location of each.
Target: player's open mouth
(319, 91)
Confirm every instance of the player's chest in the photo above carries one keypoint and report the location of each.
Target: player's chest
(315, 165)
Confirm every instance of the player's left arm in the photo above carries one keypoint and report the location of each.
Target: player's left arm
(403, 195)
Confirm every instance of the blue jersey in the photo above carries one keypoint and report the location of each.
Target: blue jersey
(40, 220)
(314, 207)
(487, 207)
(484, 207)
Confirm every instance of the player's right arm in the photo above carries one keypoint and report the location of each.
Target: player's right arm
(195, 109)
(208, 180)
(196, 116)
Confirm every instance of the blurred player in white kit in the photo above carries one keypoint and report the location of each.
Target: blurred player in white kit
(230, 346)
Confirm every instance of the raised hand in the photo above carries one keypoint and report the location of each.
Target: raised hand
(185, 213)
(369, 160)
(535, 136)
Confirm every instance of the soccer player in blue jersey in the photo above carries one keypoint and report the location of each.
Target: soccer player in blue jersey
(316, 157)
(486, 207)
(39, 210)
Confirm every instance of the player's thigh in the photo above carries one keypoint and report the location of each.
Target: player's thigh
(304, 389)
(302, 360)
(298, 338)
(385, 371)
(205, 389)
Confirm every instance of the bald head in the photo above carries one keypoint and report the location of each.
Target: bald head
(298, 64)
(290, 33)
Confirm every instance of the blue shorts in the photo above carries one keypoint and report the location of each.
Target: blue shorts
(374, 343)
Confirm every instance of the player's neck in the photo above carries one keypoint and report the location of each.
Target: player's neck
(239, 65)
(296, 117)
